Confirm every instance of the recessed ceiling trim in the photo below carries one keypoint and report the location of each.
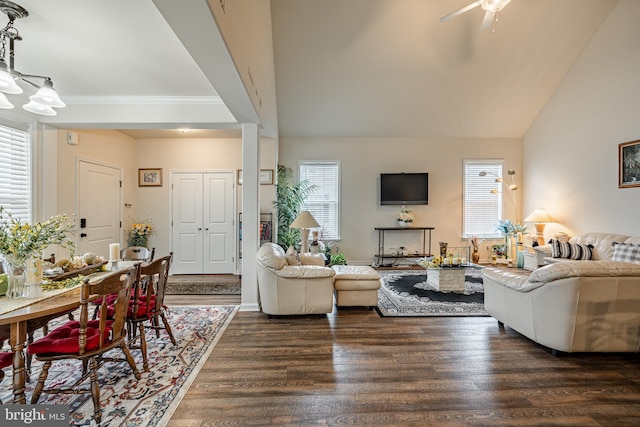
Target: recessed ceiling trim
(144, 100)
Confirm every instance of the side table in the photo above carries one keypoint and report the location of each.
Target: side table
(531, 261)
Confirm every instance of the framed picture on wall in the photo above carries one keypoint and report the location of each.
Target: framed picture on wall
(629, 164)
(150, 177)
(266, 176)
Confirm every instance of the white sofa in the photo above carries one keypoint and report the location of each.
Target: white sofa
(572, 306)
(292, 289)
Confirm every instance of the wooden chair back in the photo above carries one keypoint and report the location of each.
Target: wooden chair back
(117, 284)
(152, 281)
(136, 253)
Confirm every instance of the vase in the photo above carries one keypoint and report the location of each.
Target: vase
(17, 277)
(475, 256)
(137, 240)
(403, 224)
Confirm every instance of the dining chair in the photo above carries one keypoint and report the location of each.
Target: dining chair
(137, 253)
(147, 309)
(88, 340)
(6, 359)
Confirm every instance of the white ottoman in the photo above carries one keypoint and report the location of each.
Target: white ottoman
(356, 285)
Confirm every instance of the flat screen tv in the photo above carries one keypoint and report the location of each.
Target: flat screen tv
(404, 188)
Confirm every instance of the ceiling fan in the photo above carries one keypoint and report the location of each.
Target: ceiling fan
(491, 8)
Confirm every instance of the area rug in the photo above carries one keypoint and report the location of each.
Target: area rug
(407, 294)
(151, 400)
(204, 284)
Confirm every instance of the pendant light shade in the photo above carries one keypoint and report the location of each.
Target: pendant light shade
(47, 96)
(44, 110)
(4, 102)
(8, 83)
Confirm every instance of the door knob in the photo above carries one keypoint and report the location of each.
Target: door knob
(199, 228)
(83, 234)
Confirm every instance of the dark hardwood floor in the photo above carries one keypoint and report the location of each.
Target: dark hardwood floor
(354, 368)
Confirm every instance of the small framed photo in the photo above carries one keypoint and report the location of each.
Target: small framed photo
(150, 177)
(629, 164)
(265, 176)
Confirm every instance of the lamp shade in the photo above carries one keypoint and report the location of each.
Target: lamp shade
(539, 215)
(304, 220)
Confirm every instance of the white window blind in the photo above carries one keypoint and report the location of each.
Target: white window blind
(482, 209)
(324, 202)
(15, 172)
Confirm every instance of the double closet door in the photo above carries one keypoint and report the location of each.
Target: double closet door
(203, 229)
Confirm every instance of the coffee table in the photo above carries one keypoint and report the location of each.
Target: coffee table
(447, 279)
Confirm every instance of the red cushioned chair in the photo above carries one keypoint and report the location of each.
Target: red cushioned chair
(87, 340)
(6, 359)
(146, 308)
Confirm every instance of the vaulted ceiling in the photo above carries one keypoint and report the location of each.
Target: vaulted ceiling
(343, 68)
(391, 68)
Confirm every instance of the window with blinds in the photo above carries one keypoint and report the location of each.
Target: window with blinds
(482, 209)
(15, 172)
(324, 202)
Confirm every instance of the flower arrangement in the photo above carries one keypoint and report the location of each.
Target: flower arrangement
(506, 227)
(140, 232)
(475, 242)
(406, 216)
(21, 240)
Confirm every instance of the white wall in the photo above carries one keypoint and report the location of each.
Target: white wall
(570, 153)
(362, 161)
(185, 154)
(103, 146)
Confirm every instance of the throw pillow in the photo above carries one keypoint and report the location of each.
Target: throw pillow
(292, 256)
(625, 253)
(568, 250)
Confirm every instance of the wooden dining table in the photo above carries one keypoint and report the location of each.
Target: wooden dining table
(34, 313)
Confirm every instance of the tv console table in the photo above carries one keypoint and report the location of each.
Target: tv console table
(426, 234)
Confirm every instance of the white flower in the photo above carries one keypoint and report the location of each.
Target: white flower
(406, 216)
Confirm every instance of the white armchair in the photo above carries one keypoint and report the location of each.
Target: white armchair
(292, 289)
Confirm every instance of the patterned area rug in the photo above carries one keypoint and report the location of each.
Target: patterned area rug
(204, 284)
(407, 293)
(151, 400)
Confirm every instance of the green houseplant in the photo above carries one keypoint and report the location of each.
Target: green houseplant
(289, 198)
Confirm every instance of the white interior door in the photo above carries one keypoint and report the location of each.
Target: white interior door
(218, 223)
(203, 228)
(99, 207)
(187, 235)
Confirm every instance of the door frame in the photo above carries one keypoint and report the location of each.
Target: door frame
(80, 159)
(174, 172)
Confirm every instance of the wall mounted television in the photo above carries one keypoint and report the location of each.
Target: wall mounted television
(404, 188)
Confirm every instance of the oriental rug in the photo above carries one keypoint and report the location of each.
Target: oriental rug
(204, 284)
(151, 400)
(406, 293)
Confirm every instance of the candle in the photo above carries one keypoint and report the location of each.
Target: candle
(114, 251)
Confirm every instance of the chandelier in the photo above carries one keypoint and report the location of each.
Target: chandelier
(43, 101)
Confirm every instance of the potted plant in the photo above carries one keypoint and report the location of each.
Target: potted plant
(289, 198)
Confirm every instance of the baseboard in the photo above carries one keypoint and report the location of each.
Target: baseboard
(249, 307)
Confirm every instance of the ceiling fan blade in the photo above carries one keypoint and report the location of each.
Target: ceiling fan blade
(460, 11)
(487, 20)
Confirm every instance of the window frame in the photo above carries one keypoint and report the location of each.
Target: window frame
(495, 201)
(338, 201)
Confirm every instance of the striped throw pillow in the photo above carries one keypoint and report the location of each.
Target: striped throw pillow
(568, 250)
(625, 252)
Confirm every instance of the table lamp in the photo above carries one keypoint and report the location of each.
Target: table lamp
(304, 221)
(539, 217)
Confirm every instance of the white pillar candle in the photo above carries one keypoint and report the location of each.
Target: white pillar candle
(114, 251)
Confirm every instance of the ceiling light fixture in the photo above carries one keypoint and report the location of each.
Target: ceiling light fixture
(46, 98)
